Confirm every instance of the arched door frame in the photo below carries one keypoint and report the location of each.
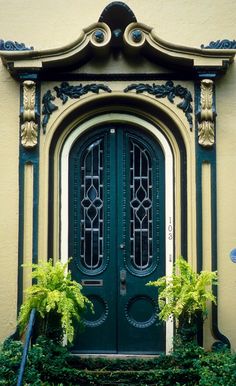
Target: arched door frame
(169, 188)
(151, 112)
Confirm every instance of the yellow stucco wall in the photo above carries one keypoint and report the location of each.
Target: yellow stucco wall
(8, 201)
(226, 161)
(48, 24)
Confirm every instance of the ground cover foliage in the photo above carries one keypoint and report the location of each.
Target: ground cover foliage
(50, 364)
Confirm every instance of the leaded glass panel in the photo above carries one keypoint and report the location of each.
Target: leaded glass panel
(141, 206)
(92, 206)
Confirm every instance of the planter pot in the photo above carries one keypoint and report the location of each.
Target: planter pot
(50, 327)
(187, 329)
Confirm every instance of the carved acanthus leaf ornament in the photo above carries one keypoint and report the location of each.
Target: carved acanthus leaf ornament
(29, 128)
(29, 134)
(206, 125)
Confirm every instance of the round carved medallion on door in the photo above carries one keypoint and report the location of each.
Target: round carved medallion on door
(141, 311)
(100, 314)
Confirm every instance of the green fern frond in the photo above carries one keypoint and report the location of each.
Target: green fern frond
(185, 292)
(54, 291)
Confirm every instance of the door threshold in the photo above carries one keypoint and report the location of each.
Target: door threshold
(117, 356)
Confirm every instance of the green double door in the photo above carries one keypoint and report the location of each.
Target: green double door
(117, 237)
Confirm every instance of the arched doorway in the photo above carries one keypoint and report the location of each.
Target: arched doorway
(43, 226)
(117, 203)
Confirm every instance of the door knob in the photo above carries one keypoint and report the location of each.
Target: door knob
(122, 246)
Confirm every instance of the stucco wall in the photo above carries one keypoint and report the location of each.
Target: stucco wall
(47, 24)
(9, 101)
(226, 161)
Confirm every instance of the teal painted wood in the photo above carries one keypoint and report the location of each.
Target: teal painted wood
(138, 331)
(103, 322)
(30, 157)
(207, 155)
(125, 318)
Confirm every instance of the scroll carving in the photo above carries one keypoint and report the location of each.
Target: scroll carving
(224, 44)
(64, 92)
(170, 91)
(13, 46)
(206, 116)
(29, 127)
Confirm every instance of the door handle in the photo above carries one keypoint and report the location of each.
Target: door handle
(123, 282)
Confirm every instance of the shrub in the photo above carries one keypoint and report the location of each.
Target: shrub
(50, 364)
(217, 369)
(10, 359)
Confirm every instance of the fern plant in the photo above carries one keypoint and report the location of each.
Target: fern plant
(185, 294)
(56, 297)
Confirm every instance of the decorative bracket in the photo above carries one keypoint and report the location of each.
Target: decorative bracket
(29, 127)
(207, 114)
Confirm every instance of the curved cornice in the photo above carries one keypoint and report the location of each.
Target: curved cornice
(98, 39)
(173, 53)
(80, 50)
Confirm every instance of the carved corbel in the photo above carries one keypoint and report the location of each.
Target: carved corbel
(29, 127)
(206, 116)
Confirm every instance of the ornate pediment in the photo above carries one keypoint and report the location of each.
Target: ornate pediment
(117, 33)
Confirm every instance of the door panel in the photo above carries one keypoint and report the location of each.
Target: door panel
(116, 237)
(90, 240)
